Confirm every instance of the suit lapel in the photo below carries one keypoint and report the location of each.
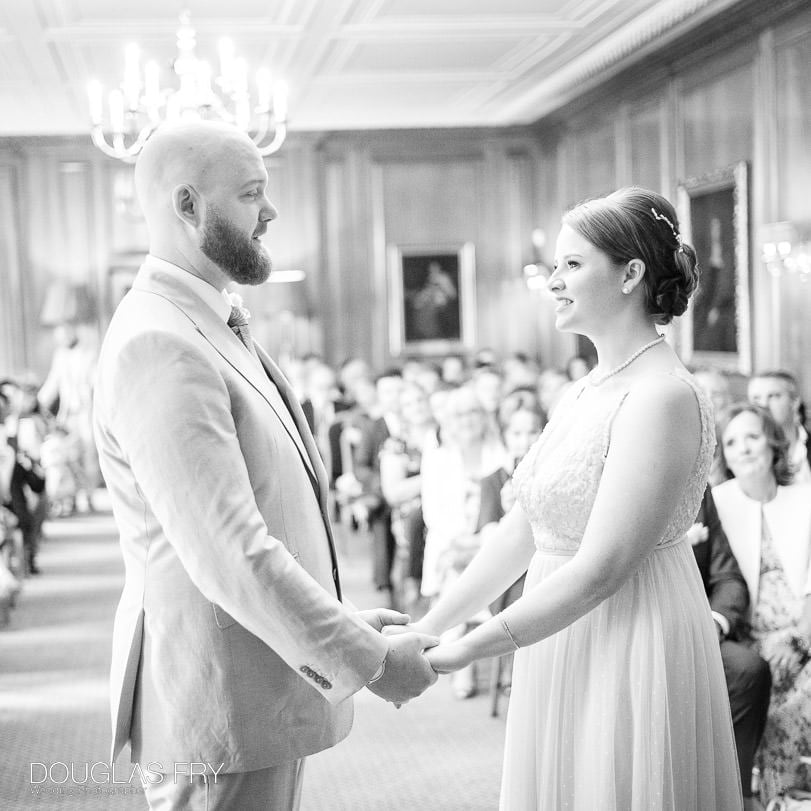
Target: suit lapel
(265, 377)
(228, 345)
(295, 411)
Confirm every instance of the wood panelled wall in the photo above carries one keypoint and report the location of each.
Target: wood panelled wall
(746, 97)
(344, 198)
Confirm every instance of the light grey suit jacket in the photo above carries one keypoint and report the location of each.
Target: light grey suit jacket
(231, 644)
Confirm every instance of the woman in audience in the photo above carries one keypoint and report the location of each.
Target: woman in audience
(768, 523)
(451, 483)
(400, 481)
(521, 421)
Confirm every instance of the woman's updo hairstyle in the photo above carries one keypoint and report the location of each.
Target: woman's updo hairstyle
(635, 223)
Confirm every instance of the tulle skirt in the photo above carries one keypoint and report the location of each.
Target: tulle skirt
(627, 708)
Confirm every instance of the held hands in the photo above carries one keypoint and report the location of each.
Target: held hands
(380, 618)
(407, 673)
(445, 657)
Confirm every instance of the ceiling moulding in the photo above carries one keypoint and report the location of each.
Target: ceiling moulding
(647, 33)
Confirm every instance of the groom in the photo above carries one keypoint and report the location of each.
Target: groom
(234, 656)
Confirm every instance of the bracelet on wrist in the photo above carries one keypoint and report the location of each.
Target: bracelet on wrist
(509, 634)
(379, 672)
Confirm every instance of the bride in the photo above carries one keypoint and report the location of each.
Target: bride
(618, 695)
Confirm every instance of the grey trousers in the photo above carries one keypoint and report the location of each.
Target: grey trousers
(275, 789)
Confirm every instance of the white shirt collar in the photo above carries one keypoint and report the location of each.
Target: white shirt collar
(218, 300)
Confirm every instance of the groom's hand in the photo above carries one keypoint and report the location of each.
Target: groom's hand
(379, 618)
(407, 673)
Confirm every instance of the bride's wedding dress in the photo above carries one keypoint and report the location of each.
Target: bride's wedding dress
(626, 709)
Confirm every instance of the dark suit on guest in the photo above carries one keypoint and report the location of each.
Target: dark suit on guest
(747, 674)
(367, 471)
(491, 511)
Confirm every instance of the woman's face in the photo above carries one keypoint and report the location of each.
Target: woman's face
(522, 430)
(746, 448)
(414, 407)
(466, 420)
(586, 284)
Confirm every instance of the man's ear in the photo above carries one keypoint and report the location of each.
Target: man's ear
(186, 203)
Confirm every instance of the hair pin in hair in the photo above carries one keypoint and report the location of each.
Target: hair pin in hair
(676, 234)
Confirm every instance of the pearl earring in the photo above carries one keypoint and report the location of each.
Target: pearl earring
(626, 290)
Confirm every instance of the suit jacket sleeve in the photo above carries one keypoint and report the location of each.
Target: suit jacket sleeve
(727, 590)
(172, 420)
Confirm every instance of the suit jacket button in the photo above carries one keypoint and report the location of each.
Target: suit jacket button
(326, 685)
(304, 669)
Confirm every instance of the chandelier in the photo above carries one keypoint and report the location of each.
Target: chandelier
(139, 104)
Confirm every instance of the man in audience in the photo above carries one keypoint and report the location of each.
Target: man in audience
(367, 470)
(716, 387)
(779, 393)
(25, 492)
(747, 674)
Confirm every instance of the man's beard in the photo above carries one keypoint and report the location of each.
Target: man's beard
(243, 259)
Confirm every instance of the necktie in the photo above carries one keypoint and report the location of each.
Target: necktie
(238, 321)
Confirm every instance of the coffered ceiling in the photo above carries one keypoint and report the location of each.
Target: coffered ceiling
(350, 64)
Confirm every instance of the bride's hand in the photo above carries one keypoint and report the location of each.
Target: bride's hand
(445, 658)
(415, 627)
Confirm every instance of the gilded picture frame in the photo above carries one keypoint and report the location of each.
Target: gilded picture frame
(713, 213)
(431, 299)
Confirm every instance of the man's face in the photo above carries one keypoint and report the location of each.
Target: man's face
(388, 394)
(237, 212)
(775, 395)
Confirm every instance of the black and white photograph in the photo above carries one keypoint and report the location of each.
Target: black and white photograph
(404, 405)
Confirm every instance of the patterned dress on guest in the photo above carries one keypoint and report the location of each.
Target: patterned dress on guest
(788, 728)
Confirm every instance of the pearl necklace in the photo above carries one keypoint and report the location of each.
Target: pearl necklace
(617, 369)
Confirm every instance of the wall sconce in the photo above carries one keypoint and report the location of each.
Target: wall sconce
(786, 249)
(537, 273)
(67, 303)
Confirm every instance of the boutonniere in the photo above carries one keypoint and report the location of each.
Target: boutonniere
(236, 301)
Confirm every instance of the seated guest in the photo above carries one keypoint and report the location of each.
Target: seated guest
(521, 421)
(578, 366)
(488, 385)
(400, 465)
(747, 675)
(715, 385)
(778, 392)
(768, 523)
(454, 370)
(25, 493)
(451, 478)
(319, 407)
(367, 471)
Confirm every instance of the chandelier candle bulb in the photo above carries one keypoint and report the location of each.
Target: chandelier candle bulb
(280, 102)
(263, 88)
(116, 103)
(226, 62)
(132, 77)
(139, 104)
(152, 86)
(95, 97)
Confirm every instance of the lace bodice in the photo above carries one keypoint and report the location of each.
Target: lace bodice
(557, 481)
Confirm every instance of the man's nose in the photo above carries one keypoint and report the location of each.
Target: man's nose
(269, 212)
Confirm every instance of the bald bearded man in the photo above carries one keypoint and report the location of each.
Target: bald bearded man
(234, 656)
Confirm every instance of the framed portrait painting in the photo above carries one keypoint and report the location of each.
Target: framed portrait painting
(432, 299)
(714, 216)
